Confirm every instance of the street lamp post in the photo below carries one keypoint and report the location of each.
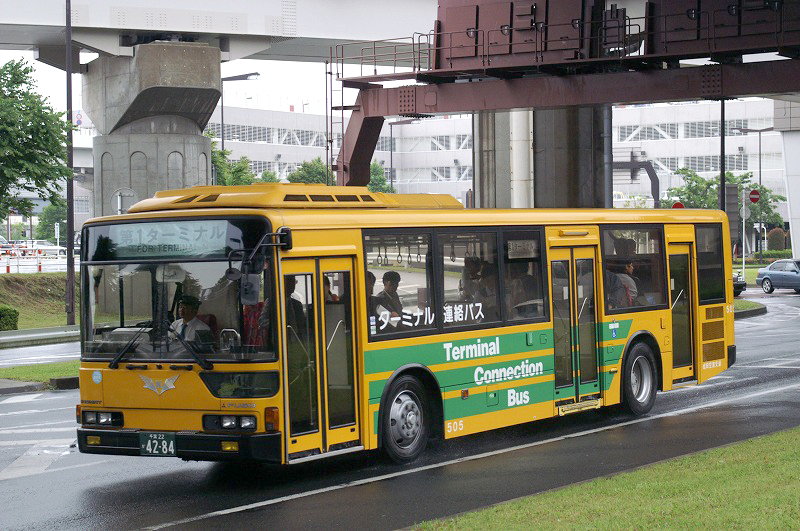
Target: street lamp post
(240, 77)
(759, 131)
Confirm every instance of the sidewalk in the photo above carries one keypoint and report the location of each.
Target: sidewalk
(8, 387)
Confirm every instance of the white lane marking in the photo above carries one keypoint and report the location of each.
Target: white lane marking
(706, 386)
(36, 459)
(38, 424)
(33, 411)
(28, 442)
(366, 481)
(774, 366)
(7, 431)
(21, 398)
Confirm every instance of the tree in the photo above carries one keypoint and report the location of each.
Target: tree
(230, 172)
(32, 142)
(51, 214)
(314, 171)
(268, 176)
(377, 179)
(698, 192)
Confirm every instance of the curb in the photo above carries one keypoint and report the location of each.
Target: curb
(744, 314)
(70, 382)
(8, 387)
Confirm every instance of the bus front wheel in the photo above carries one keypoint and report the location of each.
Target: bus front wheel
(639, 391)
(405, 421)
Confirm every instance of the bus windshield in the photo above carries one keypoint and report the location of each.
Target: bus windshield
(156, 309)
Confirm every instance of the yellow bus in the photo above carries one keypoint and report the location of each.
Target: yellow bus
(289, 322)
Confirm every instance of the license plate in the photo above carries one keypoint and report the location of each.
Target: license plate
(157, 444)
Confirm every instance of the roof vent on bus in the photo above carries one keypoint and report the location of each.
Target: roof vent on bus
(324, 198)
(347, 198)
(295, 197)
(188, 199)
(208, 198)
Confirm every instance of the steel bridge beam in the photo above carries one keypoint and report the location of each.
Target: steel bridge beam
(766, 78)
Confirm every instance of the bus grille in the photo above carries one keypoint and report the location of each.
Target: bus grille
(713, 351)
(715, 313)
(713, 330)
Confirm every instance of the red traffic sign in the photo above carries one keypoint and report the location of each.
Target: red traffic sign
(677, 204)
(755, 195)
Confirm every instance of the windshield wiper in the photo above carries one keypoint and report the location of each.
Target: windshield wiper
(124, 350)
(204, 363)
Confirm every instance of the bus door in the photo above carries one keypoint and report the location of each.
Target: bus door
(320, 357)
(573, 281)
(681, 297)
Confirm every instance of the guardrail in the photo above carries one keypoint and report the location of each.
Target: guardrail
(39, 336)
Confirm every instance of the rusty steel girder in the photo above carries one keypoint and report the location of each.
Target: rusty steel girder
(719, 81)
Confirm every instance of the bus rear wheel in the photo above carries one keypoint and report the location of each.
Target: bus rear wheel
(639, 380)
(406, 420)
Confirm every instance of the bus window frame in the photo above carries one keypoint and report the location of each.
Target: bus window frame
(438, 287)
(438, 261)
(432, 291)
(696, 258)
(639, 226)
(543, 266)
(85, 283)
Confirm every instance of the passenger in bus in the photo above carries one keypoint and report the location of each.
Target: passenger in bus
(188, 326)
(470, 275)
(371, 302)
(329, 295)
(487, 292)
(388, 298)
(295, 317)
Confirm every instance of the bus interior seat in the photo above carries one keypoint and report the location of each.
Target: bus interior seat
(211, 320)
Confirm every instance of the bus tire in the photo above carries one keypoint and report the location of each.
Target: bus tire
(406, 421)
(639, 380)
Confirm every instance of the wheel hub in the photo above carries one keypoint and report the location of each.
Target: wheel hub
(405, 418)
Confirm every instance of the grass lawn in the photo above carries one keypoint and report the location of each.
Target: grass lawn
(744, 304)
(39, 298)
(41, 372)
(749, 485)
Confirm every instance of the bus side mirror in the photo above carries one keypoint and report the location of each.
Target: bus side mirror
(285, 238)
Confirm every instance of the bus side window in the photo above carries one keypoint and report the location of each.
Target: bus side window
(633, 274)
(399, 282)
(471, 279)
(522, 276)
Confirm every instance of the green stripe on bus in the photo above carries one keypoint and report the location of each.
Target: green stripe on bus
(614, 330)
(481, 403)
(436, 353)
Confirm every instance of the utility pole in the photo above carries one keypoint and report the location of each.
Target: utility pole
(70, 288)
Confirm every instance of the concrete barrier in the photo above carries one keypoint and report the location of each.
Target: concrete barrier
(39, 336)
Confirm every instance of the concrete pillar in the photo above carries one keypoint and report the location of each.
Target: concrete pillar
(150, 110)
(491, 137)
(568, 157)
(787, 121)
(543, 158)
(521, 186)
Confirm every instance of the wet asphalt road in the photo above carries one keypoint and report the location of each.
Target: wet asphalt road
(46, 484)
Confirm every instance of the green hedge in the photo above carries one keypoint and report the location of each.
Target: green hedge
(8, 317)
(775, 254)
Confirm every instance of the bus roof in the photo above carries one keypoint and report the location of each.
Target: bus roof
(289, 195)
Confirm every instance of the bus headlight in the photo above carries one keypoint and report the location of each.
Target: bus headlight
(228, 422)
(103, 418)
(247, 423)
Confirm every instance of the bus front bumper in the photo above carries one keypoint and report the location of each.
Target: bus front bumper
(188, 445)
